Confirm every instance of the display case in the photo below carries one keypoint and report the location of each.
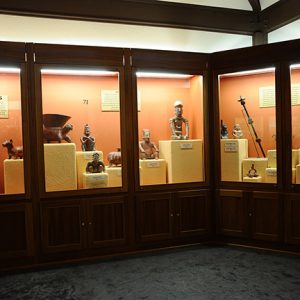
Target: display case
(295, 109)
(247, 122)
(81, 128)
(170, 127)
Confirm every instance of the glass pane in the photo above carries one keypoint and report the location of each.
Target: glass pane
(295, 101)
(248, 126)
(170, 127)
(11, 170)
(81, 128)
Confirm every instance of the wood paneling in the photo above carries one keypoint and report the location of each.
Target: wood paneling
(232, 214)
(292, 219)
(265, 215)
(192, 213)
(16, 231)
(154, 217)
(106, 222)
(62, 226)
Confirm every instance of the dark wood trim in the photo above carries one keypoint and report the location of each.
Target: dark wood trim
(281, 13)
(255, 4)
(176, 15)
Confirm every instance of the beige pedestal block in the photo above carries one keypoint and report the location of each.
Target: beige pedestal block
(114, 176)
(272, 159)
(271, 175)
(252, 179)
(260, 165)
(233, 151)
(94, 180)
(293, 175)
(298, 174)
(295, 158)
(13, 176)
(60, 167)
(82, 158)
(153, 171)
(272, 163)
(184, 160)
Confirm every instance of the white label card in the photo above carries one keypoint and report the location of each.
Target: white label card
(186, 146)
(231, 146)
(110, 100)
(271, 172)
(153, 164)
(3, 107)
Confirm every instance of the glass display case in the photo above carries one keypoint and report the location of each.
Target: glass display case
(247, 121)
(11, 155)
(170, 128)
(295, 110)
(81, 128)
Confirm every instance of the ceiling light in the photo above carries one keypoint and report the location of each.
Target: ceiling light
(78, 72)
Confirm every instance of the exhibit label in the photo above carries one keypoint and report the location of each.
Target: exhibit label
(186, 145)
(231, 146)
(271, 172)
(153, 164)
(4, 107)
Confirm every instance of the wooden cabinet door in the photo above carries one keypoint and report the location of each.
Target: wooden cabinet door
(292, 219)
(265, 212)
(107, 221)
(16, 230)
(63, 224)
(154, 217)
(232, 217)
(192, 213)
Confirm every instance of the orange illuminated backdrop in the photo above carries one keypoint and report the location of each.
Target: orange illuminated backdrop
(264, 118)
(80, 98)
(157, 105)
(295, 79)
(11, 128)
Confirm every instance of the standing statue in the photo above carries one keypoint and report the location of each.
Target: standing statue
(224, 130)
(148, 150)
(87, 141)
(237, 132)
(96, 165)
(177, 121)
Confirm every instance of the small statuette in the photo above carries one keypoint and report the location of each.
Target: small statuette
(252, 172)
(96, 165)
(237, 132)
(177, 122)
(148, 150)
(224, 130)
(87, 141)
(115, 158)
(13, 152)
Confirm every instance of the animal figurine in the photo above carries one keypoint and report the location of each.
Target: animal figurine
(114, 158)
(13, 152)
(57, 134)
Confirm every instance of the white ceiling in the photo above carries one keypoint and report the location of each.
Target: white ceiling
(234, 4)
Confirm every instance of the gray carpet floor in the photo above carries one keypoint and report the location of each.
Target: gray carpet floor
(194, 273)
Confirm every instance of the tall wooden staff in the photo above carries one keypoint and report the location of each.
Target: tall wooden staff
(250, 122)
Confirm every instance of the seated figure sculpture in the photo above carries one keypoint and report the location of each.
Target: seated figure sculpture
(96, 165)
(148, 150)
(176, 123)
(224, 130)
(87, 141)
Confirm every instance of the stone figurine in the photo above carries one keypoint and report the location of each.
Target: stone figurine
(87, 141)
(13, 152)
(237, 132)
(96, 165)
(176, 123)
(114, 158)
(224, 130)
(252, 172)
(55, 129)
(147, 149)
